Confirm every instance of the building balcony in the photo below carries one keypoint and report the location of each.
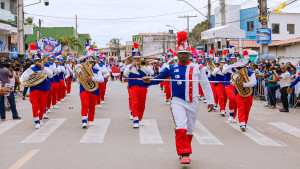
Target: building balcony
(7, 17)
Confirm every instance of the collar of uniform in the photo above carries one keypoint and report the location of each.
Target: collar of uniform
(184, 64)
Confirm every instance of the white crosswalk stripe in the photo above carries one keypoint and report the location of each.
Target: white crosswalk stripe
(204, 136)
(286, 128)
(256, 136)
(96, 133)
(45, 131)
(149, 133)
(8, 125)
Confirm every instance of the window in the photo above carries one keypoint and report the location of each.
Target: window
(2, 5)
(275, 28)
(291, 28)
(250, 26)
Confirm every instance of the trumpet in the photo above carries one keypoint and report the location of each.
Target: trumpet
(143, 63)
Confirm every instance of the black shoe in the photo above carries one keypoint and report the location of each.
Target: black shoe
(283, 110)
(17, 118)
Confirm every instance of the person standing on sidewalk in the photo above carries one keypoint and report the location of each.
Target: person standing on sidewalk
(284, 82)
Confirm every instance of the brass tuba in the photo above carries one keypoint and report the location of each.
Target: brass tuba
(210, 65)
(239, 82)
(34, 80)
(83, 77)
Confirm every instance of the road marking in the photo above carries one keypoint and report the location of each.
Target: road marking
(286, 128)
(45, 131)
(24, 159)
(256, 136)
(96, 134)
(204, 136)
(149, 133)
(8, 125)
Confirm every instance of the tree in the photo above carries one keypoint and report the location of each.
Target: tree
(29, 21)
(69, 41)
(195, 35)
(116, 42)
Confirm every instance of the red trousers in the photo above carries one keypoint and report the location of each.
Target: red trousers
(48, 99)
(162, 85)
(102, 87)
(129, 98)
(213, 88)
(200, 90)
(38, 100)
(183, 141)
(168, 90)
(61, 90)
(54, 92)
(230, 93)
(137, 101)
(88, 103)
(244, 105)
(222, 98)
(69, 82)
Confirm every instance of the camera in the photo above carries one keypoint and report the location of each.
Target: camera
(4, 63)
(46, 2)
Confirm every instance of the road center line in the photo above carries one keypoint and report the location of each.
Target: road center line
(8, 125)
(286, 128)
(96, 133)
(24, 159)
(256, 136)
(204, 136)
(149, 133)
(45, 131)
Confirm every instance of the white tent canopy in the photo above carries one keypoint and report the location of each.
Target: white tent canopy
(224, 32)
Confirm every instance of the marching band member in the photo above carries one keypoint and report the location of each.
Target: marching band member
(50, 93)
(230, 88)
(38, 93)
(55, 93)
(244, 102)
(217, 72)
(162, 84)
(61, 76)
(88, 99)
(69, 77)
(185, 101)
(137, 89)
(101, 66)
(210, 60)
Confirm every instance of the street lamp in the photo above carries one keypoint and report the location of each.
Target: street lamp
(193, 7)
(172, 27)
(21, 23)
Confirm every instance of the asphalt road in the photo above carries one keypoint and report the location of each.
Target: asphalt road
(272, 140)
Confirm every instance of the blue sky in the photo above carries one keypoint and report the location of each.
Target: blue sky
(102, 31)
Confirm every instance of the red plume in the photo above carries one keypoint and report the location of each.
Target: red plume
(202, 53)
(181, 37)
(91, 48)
(102, 53)
(245, 53)
(136, 45)
(211, 52)
(224, 53)
(171, 51)
(32, 46)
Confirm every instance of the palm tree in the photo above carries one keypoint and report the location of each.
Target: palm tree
(69, 41)
(116, 42)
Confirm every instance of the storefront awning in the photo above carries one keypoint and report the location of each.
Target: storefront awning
(223, 32)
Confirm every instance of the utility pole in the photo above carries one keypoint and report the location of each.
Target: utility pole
(223, 20)
(21, 27)
(188, 22)
(263, 22)
(76, 33)
(40, 30)
(208, 15)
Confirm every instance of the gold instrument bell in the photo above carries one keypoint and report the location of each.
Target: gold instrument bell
(83, 77)
(239, 83)
(34, 80)
(144, 63)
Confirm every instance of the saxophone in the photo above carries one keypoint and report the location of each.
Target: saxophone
(239, 81)
(83, 77)
(210, 65)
